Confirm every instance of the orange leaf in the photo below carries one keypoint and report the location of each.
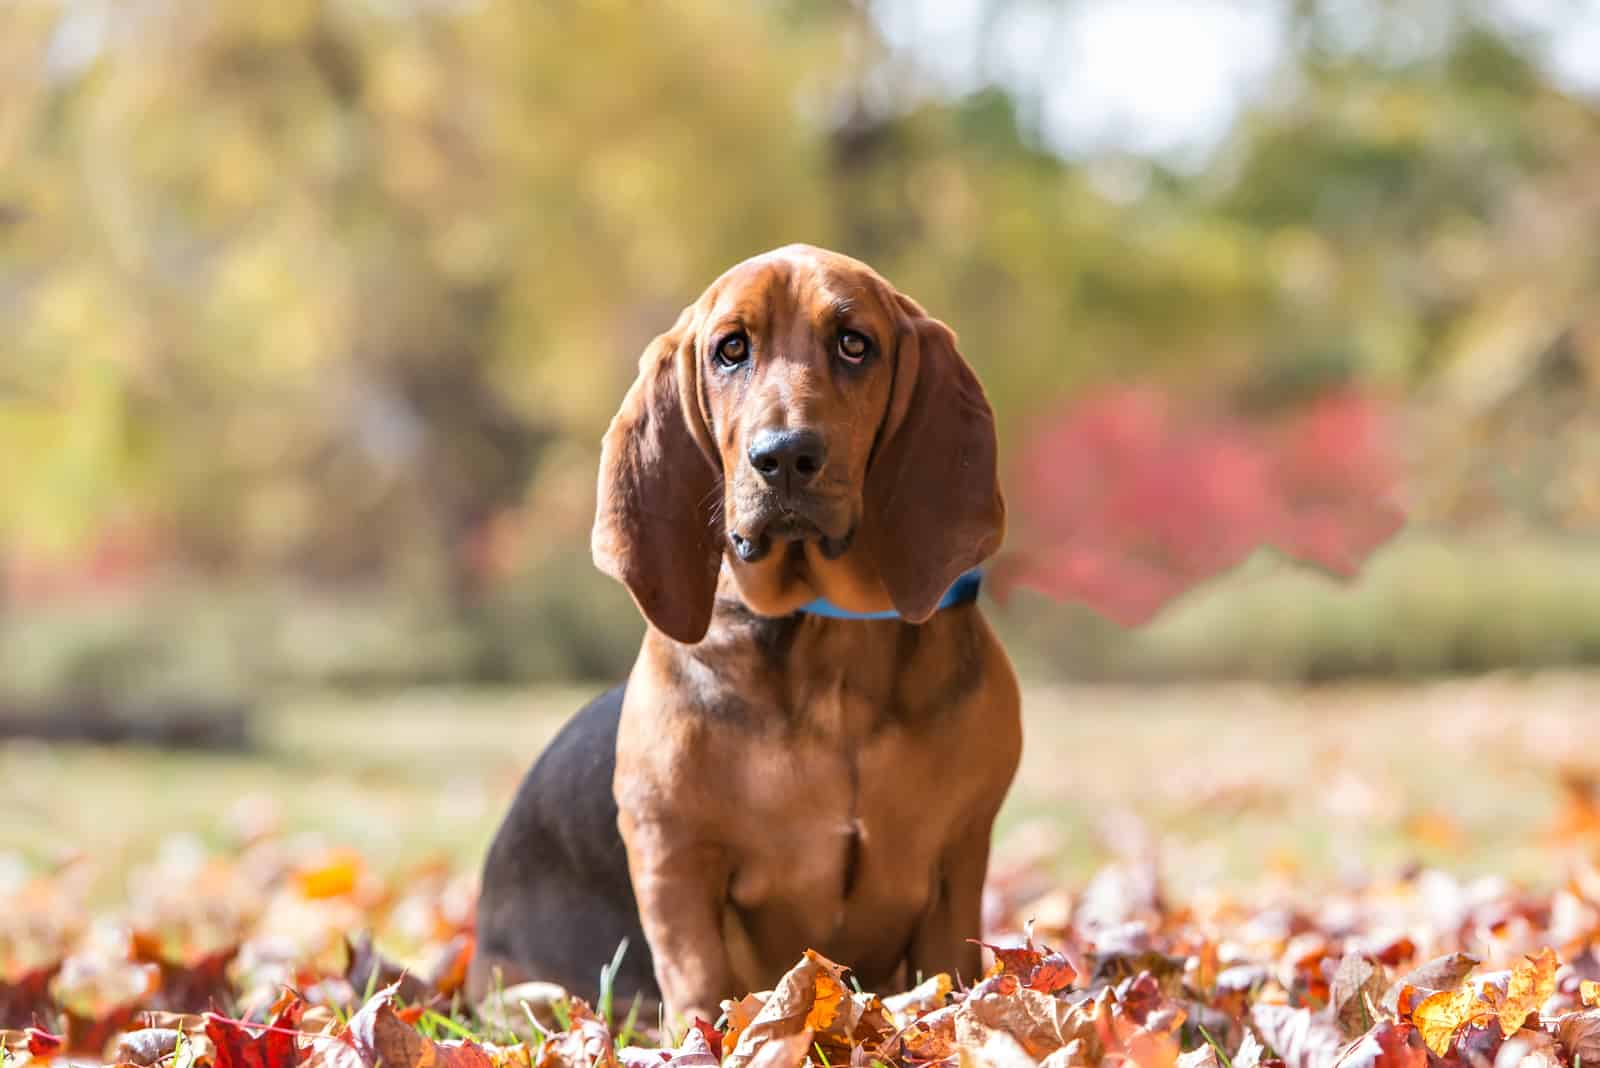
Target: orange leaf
(1532, 982)
(830, 992)
(1589, 990)
(334, 874)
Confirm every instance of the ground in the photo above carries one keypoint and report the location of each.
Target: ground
(1239, 874)
(1232, 781)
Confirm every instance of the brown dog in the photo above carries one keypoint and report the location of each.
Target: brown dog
(780, 778)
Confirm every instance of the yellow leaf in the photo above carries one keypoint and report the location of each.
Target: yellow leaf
(1441, 1015)
(333, 875)
(1532, 982)
(1589, 991)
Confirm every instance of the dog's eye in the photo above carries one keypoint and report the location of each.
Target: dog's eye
(853, 347)
(733, 350)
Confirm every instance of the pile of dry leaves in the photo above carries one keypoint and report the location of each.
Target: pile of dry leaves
(243, 962)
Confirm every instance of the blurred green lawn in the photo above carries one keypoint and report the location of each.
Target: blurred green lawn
(1229, 782)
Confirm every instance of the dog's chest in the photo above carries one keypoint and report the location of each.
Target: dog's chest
(841, 822)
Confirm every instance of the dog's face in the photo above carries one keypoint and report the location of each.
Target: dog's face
(796, 361)
(815, 427)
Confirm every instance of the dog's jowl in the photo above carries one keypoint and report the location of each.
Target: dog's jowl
(820, 726)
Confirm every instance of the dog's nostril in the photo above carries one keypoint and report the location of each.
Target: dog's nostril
(799, 453)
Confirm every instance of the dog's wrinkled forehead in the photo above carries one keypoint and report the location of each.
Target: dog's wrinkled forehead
(797, 281)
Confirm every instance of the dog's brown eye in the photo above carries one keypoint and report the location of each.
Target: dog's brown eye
(733, 350)
(853, 346)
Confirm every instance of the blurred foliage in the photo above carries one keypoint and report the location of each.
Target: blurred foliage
(343, 291)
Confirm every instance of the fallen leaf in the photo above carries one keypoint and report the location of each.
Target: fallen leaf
(379, 1037)
(333, 874)
(148, 1046)
(276, 1046)
(792, 1005)
(1579, 1036)
(43, 1044)
(1299, 1038)
(1532, 982)
(999, 1050)
(1441, 973)
(1199, 1057)
(1358, 983)
(1041, 1023)
(783, 1051)
(194, 985)
(926, 996)
(932, 1037)
(1387, 1045)
(1441, 1015)
(25, 999)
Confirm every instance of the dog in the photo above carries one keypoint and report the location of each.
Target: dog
(821, 726)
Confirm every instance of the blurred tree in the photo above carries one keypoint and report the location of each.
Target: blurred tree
(348, 289)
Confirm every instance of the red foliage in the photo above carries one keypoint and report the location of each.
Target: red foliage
(1126, 499)
(275, 1047)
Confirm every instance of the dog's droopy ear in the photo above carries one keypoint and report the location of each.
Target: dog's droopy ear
(933, 502)
(657, 524)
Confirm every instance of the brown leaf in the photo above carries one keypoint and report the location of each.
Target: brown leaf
(185, 985)
(1360, 981)
(783, 1051)
(1441, 973)
(1299, 1038)
(932, 1037)
(148, 1046)
(811, 993)
(999, 1050)
(1041, 1023)
(379, 1036)
(1579, 1035)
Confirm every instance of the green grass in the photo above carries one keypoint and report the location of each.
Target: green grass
(1230, 782)
(1429, 603)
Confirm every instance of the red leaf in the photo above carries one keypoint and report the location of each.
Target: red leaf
(712, 1036)
(277, 1046)
(43, 1044)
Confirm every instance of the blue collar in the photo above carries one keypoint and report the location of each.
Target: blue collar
(963, 591)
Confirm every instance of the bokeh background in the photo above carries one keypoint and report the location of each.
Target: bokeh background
(315, 310)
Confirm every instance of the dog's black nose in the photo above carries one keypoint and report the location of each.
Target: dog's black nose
(787, 459)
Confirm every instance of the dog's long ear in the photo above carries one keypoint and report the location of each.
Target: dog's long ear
(933, 502)
(657, 524)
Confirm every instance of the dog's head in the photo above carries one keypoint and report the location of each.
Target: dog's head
(815, 426)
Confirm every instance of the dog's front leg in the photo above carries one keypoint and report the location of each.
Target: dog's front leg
(681, 887)
(955, 915)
